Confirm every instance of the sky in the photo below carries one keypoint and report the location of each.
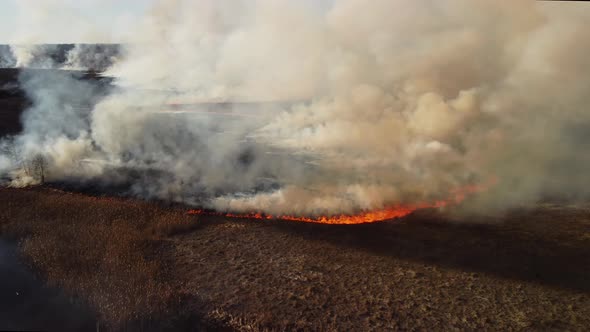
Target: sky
(77, 21)
(111, 21)
(69, 21)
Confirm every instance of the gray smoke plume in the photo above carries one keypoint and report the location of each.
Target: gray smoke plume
(7, 58)
(98, 57)
(36, 56)
(358, 105)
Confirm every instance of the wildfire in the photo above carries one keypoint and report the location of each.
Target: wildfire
(393, 212)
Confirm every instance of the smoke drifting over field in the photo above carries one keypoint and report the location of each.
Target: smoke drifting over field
(383, 103)
(59, 56)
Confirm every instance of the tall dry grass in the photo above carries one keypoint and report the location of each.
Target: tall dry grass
(105, 250)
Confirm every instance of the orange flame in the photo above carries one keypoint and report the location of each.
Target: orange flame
(393, 212)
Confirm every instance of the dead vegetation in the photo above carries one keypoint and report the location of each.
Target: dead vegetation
(526, 271)
(141, 265)
(106, 251)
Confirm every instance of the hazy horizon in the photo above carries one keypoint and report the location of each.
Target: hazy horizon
(112, 21)
(88, 21)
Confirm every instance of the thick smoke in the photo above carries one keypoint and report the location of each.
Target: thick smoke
(43, 56)
(366, 105)
(98, 57)
(7, 58)
(92, 56)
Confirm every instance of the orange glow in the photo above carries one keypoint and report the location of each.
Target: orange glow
(393, 212)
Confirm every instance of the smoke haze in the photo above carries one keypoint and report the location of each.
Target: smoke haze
(330, 107)
(59, 56)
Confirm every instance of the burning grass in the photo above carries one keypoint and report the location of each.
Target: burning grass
(393, 212)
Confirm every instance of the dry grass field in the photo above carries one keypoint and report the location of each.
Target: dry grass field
(146, 266)
(106, 251)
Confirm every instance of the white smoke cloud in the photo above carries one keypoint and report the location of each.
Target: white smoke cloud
(97, 57)
(92, 56)
(394, 102)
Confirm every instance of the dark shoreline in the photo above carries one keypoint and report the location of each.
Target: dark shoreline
(27, 303)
